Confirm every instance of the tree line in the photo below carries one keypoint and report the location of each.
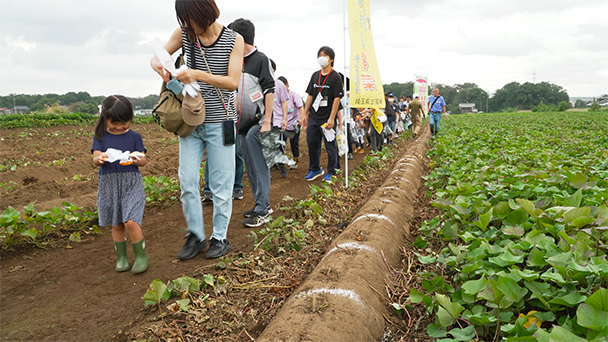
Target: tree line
(72, 102)
(511, 97)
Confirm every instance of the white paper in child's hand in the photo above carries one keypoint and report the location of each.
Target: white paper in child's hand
(116, 155)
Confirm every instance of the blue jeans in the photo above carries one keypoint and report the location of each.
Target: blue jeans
(257, 170)
(221, 167)
(314, 138)
(392, 125)
(434, 121)
(238, 173)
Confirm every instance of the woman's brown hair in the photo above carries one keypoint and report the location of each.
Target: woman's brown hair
(202, 13)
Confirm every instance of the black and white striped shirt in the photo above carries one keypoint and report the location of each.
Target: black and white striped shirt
(218, 56)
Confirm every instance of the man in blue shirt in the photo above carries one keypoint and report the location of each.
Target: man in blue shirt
(436, 106)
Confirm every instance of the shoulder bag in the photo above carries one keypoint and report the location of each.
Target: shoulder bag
(168, 110)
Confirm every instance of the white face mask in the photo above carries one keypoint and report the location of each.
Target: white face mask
(323, 61)
(391, 100)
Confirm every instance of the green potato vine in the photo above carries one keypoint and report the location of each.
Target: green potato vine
(524, 202)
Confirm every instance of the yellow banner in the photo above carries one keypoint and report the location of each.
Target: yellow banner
(366, 90)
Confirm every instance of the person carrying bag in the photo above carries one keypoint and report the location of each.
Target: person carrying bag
(217, 72)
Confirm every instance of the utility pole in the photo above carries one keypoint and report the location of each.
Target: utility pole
(534, 76)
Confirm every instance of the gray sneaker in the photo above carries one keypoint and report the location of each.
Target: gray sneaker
(251, 212)
(256, 220)
(237, 194)
(191, 248)
(218, 248)
(207, 197)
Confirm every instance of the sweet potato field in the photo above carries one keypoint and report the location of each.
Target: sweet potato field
(506, 239)
(523, 231)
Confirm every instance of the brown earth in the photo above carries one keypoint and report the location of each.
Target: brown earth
(71, 292)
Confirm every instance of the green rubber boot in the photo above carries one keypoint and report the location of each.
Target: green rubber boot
(141, 259)
(122, 264)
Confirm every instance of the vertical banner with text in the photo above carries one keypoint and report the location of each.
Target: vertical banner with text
(366, 90)
(421, 87)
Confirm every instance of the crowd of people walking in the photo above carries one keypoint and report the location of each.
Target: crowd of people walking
(238, 84)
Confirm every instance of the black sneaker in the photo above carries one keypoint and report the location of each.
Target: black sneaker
(256, 220)
(237, 194)
(218, 248)
(250, 212)
(282, 171)
(191, 248)
(207, 197)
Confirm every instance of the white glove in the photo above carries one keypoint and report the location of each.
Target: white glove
(330, 134)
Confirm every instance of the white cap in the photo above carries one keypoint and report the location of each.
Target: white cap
(416, 96)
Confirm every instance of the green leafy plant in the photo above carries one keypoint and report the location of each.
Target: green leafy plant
(30, 226)
(161, 188)
(279, 235)
(523, 225)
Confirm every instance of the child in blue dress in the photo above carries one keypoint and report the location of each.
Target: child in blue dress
(120, 198)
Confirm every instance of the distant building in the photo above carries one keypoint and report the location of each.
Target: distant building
(20, 109)
(143, 112)
(602, 100)
(467, 108)
(5, 110)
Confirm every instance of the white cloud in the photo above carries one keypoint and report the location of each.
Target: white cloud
(105, 47)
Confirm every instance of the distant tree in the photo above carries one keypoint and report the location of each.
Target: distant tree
(149, 101)
(398, 89)
(580, 104)
(469, 93)
(527, 95)
(44, 103)
(564, 106)
(69, 98)
(89, 107)
(55, 108)
(595, 106)
(543, 108)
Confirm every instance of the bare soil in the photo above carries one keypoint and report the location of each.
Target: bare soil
(70, 291)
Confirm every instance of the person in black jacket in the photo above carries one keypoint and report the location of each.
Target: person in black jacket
(255, 97)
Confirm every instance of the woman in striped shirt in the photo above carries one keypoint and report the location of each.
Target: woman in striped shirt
(199, 33)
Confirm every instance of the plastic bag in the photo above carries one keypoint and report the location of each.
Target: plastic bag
(342, 143)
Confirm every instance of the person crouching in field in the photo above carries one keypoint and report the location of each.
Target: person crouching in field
(120, 197)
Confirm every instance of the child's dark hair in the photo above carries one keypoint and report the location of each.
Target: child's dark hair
(283, 79)
(117, 108)
(329, 52)
(245, 28)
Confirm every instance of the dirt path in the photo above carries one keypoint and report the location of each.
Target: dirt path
(72, 293)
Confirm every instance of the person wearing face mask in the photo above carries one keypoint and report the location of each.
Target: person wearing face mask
(324, 90)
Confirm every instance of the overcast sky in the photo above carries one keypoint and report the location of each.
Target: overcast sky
(104, 47)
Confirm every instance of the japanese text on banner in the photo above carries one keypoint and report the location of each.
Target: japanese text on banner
(421, 87)
(365, 83)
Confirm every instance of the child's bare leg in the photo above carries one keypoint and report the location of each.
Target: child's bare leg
(118, 233)
(134, 230)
